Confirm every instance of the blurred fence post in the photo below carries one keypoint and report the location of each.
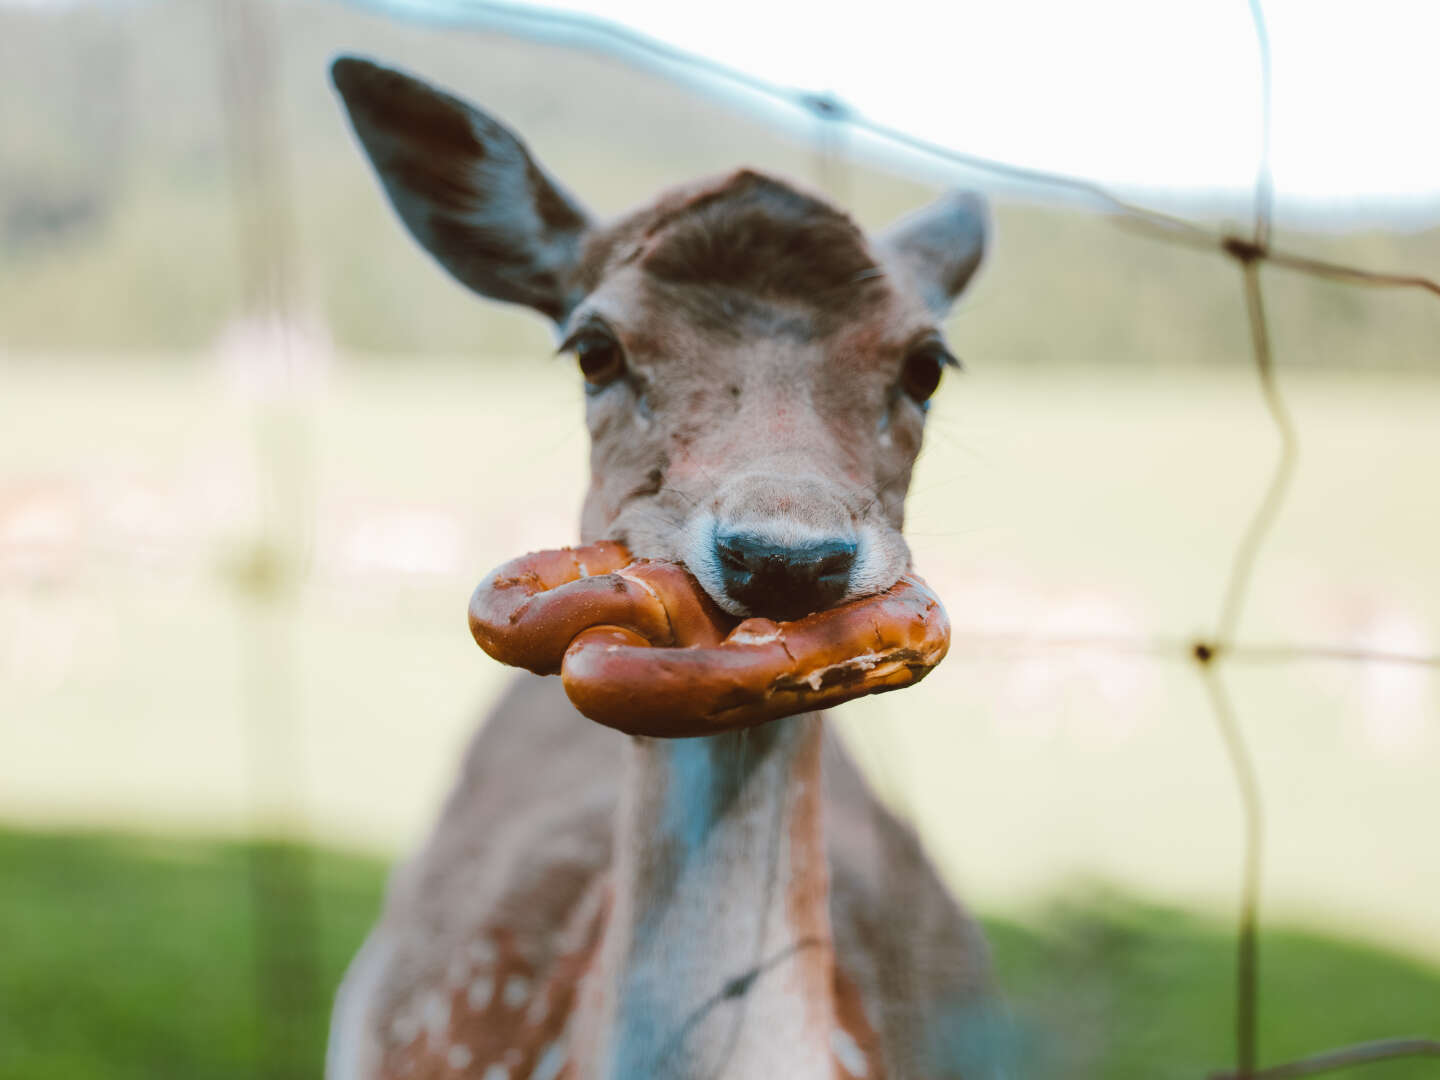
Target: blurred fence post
(267, 576)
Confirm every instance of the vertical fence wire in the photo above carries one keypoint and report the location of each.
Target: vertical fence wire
(1247, 553)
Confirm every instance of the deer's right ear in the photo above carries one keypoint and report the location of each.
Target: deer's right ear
(940, 246)
(466, 188)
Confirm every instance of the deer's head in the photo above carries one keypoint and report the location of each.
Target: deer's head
(756, 369)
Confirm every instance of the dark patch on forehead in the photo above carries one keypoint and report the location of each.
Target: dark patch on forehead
(757, 237)
(735, 314)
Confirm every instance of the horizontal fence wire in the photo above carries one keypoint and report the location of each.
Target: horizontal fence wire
(581, 30)
(1250, 253)
(1345, 1058)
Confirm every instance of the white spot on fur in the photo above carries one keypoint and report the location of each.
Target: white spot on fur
(550, 1063)
(539, 1008)
(480, 992)
(847, 1053)
(435, 1013)
(517, 990)
(458, 970)
(496, 1072)
(404, 1028)
(459, 1057)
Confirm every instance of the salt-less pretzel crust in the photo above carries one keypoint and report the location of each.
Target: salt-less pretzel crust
(640, 646)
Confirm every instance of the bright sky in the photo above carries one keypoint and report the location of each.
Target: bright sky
(1142, 92)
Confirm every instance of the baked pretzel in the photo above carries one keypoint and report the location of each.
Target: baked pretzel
(641, 647)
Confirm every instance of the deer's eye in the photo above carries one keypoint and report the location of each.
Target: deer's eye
(923, 366)
(600, 357)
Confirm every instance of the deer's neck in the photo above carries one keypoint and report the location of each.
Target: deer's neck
(717, 957)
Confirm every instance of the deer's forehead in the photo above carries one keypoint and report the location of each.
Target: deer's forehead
(747, 255)
(720, 331)
(760, 238)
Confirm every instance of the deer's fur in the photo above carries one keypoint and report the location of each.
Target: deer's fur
(600, 907)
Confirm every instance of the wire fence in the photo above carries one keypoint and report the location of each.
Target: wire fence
(283, 945)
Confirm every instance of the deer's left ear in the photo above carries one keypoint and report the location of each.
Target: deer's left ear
(466, 188)
(939, 246)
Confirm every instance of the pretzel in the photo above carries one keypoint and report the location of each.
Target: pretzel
(642, 648)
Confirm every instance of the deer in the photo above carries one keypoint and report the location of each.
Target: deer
(598, 906)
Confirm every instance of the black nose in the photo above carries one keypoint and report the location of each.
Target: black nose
(777, 581)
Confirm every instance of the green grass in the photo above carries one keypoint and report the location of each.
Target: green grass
(1073, 501)
(131, 957)
(1105, 986)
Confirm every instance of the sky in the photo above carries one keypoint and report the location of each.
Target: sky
(1141, 93)
(1154, 95)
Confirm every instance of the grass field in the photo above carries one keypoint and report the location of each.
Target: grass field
(140, 672)
(128, 958)
(1057, 503)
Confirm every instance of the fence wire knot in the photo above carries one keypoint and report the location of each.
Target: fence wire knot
(1246, 251)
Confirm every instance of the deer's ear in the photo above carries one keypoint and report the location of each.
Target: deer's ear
(466, 188)
(940, 246)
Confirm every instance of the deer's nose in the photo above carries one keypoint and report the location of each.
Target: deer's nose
(779, 581)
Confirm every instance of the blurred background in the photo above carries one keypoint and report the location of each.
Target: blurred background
(256, 450)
